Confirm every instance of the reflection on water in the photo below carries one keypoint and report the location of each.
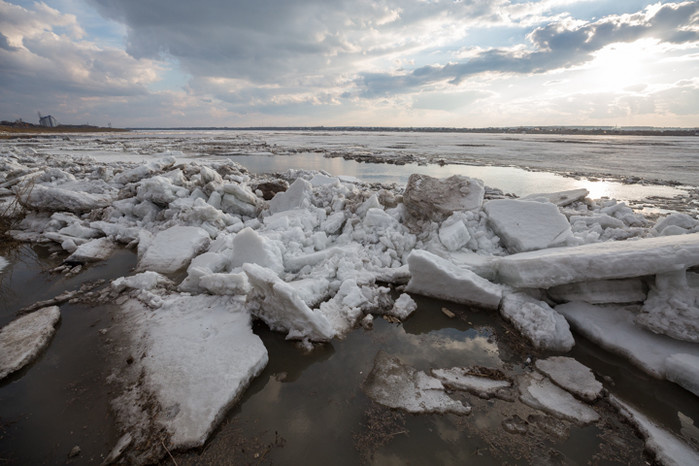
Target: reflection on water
(509, 179)
(310, 409)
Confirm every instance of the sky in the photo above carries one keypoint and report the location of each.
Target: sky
(420, 63)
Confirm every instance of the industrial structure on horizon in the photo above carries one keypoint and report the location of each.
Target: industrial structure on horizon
(47, 121)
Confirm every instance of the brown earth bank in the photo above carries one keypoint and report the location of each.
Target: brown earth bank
(16, 129)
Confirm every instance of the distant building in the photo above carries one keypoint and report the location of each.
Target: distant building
(47, 121)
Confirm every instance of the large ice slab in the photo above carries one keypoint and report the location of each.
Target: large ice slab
(668, 449)
(598, 261)
(393, 384)
(24, 338)
(56, 199)
(527, 225)
(437, 199)
(614, 328)
(172, 249)
(436, 277)
(200, 355)
(282, 308)
(535, 319)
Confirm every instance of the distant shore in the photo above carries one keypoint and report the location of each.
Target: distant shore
(16, 128)
(550, 130)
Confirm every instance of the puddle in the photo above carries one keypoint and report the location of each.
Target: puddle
(61, 400)
(310, 408)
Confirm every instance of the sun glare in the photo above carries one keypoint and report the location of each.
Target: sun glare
(620, 65)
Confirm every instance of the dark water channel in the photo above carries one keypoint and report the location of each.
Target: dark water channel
(61, 400)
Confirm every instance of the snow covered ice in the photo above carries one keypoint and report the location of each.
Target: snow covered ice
(314, 256)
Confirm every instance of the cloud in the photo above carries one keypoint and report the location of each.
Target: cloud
(45, 62)
(556, 45)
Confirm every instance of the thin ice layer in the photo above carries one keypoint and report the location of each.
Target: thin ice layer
(571, 375)
(24, 338)
(613, 328)
(668, 449)
(599, 261)
(393, 384)
(540, 393)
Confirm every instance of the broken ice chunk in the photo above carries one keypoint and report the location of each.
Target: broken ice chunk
(92, 251)
(282, 308)
(393, 384)
(24, 338)
(172, 249)
(453, 234)
(572, 376)
(672, 307)
(540, 393)
(528, 225)
(436, 277)
(535, 319)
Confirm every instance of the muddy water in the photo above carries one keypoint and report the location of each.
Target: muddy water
(60, 400)
(310, 408)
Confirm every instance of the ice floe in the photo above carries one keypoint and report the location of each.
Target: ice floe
(24, 338)
(539, 392)
(199, 356)
(569, 374)
(396, 385)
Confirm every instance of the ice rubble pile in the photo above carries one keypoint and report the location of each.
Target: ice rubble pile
(312, 255)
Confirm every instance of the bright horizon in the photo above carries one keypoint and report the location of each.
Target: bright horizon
(274, 63)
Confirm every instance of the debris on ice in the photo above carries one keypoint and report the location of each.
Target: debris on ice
(461, 378)
(437, 199)
(393, 384)
(24, 338)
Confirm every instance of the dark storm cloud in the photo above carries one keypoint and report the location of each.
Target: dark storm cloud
(555, 46)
